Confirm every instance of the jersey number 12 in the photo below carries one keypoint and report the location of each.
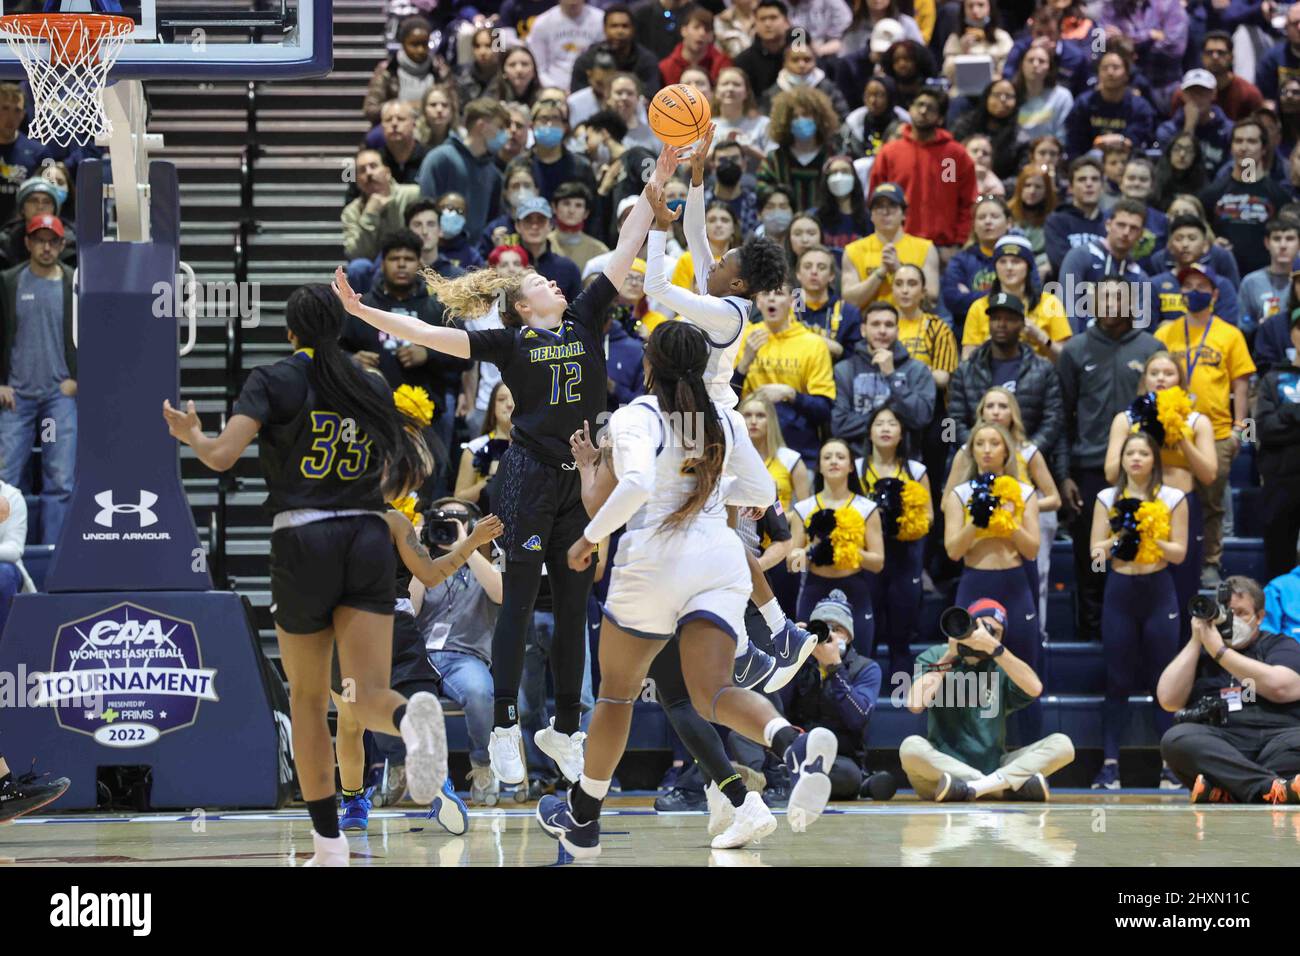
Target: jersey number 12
(572, 379)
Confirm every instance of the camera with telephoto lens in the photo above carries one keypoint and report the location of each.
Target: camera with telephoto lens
(956, 624)
(1208, 710)
(822, 629)
(1214, 609)
(440, 528)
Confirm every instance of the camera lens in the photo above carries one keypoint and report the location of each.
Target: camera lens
(955, 623)
(821, 629)
(1203, 608)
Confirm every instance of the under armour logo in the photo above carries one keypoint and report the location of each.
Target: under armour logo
(144, 509)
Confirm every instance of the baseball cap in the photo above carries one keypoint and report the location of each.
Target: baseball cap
(987, 607)
(885, 34)
(52, 223)
(531, 205)
(1199, 77)
(891, 191)
(1007, 302)
(1186, 271)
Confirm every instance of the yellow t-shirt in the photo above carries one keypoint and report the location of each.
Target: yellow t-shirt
(796, 356)
(865, 255)
(649, 322)
(1217, 362)
(929, 340)
(1048, 315)
(684, 273)
(781, 467)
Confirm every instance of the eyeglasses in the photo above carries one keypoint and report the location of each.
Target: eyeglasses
(1004, 95)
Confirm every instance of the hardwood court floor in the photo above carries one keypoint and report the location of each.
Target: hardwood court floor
(1077, 829)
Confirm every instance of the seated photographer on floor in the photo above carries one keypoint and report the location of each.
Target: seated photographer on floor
(1236, 689)
(969, 687)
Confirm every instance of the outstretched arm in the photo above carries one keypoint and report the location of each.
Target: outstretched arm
(220, 453)
(448, 341)
(697, 238)
(632, 236)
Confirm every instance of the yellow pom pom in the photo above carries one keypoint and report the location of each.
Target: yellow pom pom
(1172, 409)
(414, 402)
(407, 507)
(1153, 524)
(849, 536)
(914, 522)
(1003, 523)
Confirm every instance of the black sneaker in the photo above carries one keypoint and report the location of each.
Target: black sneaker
(1033, 790)
(952, 790)
(678, 800)
(31, 791)
(777, 791)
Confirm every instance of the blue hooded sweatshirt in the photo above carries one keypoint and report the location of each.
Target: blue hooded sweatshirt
(1067, 228)
(1214, 134)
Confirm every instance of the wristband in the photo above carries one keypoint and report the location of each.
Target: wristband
(1000, 651)
(1222, 650)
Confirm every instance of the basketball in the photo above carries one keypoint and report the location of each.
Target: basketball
(679, 115)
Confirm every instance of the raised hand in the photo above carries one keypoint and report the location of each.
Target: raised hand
(486, 529)
(343, 289)
(664, 217)
(667, 164)
(181, 424)
(700, 157)
(585, 453)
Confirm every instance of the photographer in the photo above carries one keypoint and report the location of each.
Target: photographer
(963, 755)
(457, 619)
(837, 690)
(1237, 690)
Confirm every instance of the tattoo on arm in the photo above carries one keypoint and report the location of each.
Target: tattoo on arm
(413, 542)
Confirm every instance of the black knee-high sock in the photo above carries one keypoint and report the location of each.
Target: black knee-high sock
(733, 788)
(782, 740)
(324, 816)
(569, 592)
(519, 594)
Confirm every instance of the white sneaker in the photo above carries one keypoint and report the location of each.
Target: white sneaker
(506, 753)
(484, 788)
(753, 821)
(331, 852)
(564, 749)
(721, 812)
(424, 732)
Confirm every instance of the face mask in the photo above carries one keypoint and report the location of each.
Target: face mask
(1290, 355)
(578, 144)
(1242, 632)
(778, 220)
(548, 137)
(728, 173)
(803, 128)
(676, 204)
(1197, 301)
(60, 195)
(842, 647)
(498, 141)
(452, 223)
(840, 184)
(602, 154)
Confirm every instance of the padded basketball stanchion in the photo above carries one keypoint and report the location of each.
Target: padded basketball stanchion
(132, 659)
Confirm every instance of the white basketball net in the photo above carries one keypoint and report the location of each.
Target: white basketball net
(67, 60)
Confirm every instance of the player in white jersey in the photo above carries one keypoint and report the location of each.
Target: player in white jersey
(680, 573)
(720, 310)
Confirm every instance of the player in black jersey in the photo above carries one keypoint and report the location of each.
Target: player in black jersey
(552, 358)
(333, 447)
(411, 672)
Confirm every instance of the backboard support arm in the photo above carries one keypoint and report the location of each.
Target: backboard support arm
(129, 146)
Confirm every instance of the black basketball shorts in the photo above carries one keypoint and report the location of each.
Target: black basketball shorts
(540, 505)
(338, 562)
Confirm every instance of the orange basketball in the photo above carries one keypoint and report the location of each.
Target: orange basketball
(679, 115)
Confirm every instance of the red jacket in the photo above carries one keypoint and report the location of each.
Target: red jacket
(674, 64)
(939, 180)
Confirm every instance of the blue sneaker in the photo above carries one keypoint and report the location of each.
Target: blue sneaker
(752, 667)
(793, 645)
(1108, 779)
(582, 840)
(449, 810)
(356, 811)
(809, 761)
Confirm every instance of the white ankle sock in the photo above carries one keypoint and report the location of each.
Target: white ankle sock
(774, 616)
(773, 725)
(988, 784)
(596, 789)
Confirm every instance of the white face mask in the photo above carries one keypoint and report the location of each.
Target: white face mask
(1290, 355)
(842, 645)
(840, 184)
(1243, 632)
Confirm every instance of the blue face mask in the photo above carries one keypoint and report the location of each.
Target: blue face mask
(803, 128)
(60, 195)
(452, 223)
(1197, 301)
(676, 204)
(496, 143)
(548, 137)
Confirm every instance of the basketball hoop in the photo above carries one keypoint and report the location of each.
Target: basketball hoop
(67, 58)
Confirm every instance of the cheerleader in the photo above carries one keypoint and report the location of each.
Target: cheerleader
(551, 354)
(1163, 410)
(1001, 407)
(793, 482)
(411, 671)
(991, 525)
(838, 539)
(680, 572)
(1140, 526)
(901, 490)
(482, 455)
(332, 563)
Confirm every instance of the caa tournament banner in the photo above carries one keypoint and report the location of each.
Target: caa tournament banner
(126, 676)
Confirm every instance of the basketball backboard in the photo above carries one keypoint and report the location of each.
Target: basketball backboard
(205, 39)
